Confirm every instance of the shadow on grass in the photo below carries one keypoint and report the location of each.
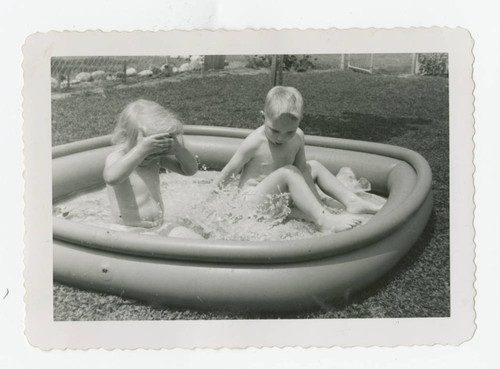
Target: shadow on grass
(359, 126)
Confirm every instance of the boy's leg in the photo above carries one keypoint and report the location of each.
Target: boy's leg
(290, 179)
(330, 185)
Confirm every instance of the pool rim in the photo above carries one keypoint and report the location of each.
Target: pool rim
(253, 252)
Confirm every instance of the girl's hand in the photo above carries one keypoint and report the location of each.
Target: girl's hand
(174, 146)
(158, 143)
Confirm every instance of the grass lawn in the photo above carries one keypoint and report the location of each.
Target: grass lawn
(410, 112)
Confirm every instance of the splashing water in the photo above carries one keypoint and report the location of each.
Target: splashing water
(189, 202)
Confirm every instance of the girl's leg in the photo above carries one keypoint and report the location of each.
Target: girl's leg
(330, 185)
(290, 179)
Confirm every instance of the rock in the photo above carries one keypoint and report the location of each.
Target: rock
(145, 73)
(54, 82)
(131, 72)
(74, 82)
(180, 57)
(167, 69)
(196, 62)
(99, 75)
(119, 75)
(155, 69)
(175, 70)
(186, 67)
(83, 77)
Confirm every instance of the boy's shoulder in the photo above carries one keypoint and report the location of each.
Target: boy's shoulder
(300, 133)
(300, 137)
(257, 136)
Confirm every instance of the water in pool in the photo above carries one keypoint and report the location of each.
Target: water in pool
(223, 216)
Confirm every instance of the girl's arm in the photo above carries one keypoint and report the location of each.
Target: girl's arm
(120, 165)
(184, 162)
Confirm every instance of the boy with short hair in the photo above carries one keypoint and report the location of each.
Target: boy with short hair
(272, 160)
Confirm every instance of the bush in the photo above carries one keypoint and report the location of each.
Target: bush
(290, 62)
(259, 61)
(298, 64)
(433, 64)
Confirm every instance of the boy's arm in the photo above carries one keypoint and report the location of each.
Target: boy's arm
(181, 160)
(300, 157)
(243, 154)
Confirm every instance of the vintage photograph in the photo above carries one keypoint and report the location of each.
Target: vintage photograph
(213, 182)
(250, 186)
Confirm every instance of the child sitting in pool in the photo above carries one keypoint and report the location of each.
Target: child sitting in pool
(148, 137)
(272, 160)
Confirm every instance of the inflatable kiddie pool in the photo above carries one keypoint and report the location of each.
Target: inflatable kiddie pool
(242, 275)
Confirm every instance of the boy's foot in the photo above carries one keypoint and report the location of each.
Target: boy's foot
(357, 205)
(338, 222)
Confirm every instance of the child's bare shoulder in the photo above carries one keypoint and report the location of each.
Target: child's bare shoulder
(254, 139)
(300, 137)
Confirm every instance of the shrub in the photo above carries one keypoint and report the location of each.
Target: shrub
(259, 61)
(296, 63)
(435, 64)
(290, 62)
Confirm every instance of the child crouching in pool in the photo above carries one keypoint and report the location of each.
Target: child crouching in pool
(272, 161)
(148, 138)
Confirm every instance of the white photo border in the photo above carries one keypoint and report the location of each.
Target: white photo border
(42, 331)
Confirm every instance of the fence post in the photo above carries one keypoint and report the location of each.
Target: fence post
(276, 70)
(68, 85)
(273, 70)
(371, 63)
(279, 66)
(60, 76)
(342, 62)
(124, 71)
(414, 61)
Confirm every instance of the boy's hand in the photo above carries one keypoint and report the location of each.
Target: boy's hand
(214, 191)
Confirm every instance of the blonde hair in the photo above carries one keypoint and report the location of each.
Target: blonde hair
(144, 115)
(284, 100)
